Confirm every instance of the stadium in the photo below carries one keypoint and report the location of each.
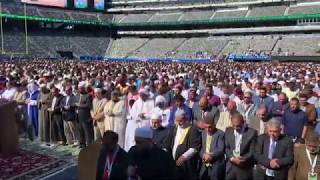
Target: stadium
(71, 70)
(162, 29)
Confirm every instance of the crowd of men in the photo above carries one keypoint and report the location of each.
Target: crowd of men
(234, 121)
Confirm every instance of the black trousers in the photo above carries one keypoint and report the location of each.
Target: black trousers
(268, 177)
(86, 132)
(57, 127)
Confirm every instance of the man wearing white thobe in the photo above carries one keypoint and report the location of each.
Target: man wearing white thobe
(141, 114)
(162, 110)
(115, 116)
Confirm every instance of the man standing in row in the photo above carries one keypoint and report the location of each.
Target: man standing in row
(306, 161)
(212, 152)
(84, 104)
(239, 142)
(274, 153)
(183, 143)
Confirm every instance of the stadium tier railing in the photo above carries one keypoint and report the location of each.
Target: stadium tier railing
(214, 21)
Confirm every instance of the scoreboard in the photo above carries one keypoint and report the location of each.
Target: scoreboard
(88, 5)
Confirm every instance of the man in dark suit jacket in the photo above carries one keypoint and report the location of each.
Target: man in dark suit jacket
(212, 152)
(84, 104)
(273, 153)
(117, 158)
(56, 117)
(204, 110)
(68, 108)
(240, 142)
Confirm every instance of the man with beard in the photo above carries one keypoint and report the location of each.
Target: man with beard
(183, 142)
(84, 104)
(140, 113)
(162, 110)
(115, 116)
(45, 99)
(306, 161)
(113, 160)
(159, 132)
(148, 161)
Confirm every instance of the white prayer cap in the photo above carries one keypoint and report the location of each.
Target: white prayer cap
(144, 132)
(82, 84)
(97, 90)
(160, 99)
(224, 96)
(144, 91)
(292, 79)
(156, 116)
(180, 112)
(281, 83)
(47, 74)
(43, 85)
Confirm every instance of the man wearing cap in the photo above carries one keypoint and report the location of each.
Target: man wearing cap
(44, 103)
(306, 158)
(273, 153)
(115, 116)
(183, 142)
(98, 104)
(212, 152)
(148, 161)
(162, 110)
(84, 105)
(140, 113)
(240, 142)
(159, 132)
(290, 90)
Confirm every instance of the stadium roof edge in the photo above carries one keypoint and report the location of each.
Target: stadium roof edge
(140, 2)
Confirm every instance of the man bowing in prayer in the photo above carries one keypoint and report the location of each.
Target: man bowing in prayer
(140, 113)
(212, 152)
(183, 142)
(148, 161)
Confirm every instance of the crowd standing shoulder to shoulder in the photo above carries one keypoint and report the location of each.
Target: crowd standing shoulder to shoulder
(216, 121)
